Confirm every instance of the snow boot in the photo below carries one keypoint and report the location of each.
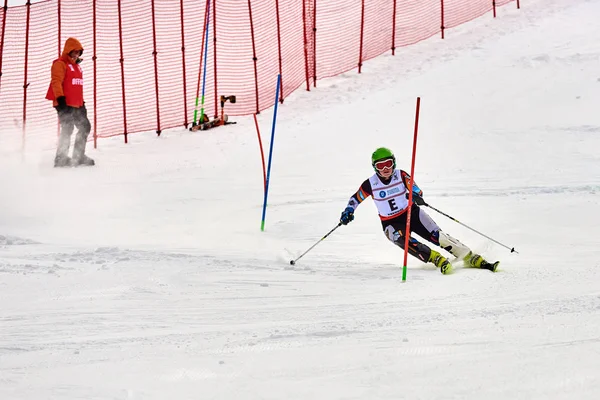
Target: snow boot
(84, 161)
(62, 161)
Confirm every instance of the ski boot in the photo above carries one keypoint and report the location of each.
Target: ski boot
(476, 261)
(441, 262)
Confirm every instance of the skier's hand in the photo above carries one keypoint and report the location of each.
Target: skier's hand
(347, 216)
(418, 200)
(62, 104)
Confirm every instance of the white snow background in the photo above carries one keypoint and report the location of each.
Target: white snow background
(147, 276)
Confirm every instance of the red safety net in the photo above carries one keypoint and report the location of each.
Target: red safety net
(144, 63)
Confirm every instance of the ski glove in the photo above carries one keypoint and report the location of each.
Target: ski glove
(418, 200)
(62, 104)
(347, 215)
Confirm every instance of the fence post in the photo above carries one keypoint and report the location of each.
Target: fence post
(59, 9)
(278, 49)
(362, 29)
(94, 58)
(215, 54)
(494, 7)
(155, 55)
(122, 61)
(394, 29)
(305, 44)
(442, 26)
(314, 29)
(59, 23)
(254, 58)
(518, 4)
(4, 13)
(185, 110)
(25, 75)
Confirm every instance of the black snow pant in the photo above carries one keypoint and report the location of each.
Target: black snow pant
(421, 224)
(70, 119)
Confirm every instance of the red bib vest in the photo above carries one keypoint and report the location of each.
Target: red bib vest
(72, 85)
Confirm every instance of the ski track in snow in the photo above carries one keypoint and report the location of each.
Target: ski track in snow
(223, 315)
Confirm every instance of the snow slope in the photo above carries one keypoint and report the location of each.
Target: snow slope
(147, 277)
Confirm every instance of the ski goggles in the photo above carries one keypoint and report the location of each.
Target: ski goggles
(389, 163)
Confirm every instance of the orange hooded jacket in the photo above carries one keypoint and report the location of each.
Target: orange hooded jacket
(67, 77)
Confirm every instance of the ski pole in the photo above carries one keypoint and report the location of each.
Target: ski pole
(512, 250)
(292, 262)
(204, 28)
(201, 121)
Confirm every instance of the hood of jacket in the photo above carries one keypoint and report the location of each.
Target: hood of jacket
(70, 45)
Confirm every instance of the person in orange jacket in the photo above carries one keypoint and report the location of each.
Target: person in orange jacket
(66, 93)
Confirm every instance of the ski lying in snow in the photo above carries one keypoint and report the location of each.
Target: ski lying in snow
(203, 126)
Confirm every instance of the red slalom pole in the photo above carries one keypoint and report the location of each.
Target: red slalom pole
(262, 154)
(410, 192)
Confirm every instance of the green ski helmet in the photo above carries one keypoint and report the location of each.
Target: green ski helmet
(382, 153)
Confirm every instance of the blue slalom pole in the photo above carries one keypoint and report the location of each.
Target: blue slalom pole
(262, 224)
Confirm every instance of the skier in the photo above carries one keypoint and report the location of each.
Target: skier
(66, 93)
(389, 188)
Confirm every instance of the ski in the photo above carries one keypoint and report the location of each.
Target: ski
(209, 124)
